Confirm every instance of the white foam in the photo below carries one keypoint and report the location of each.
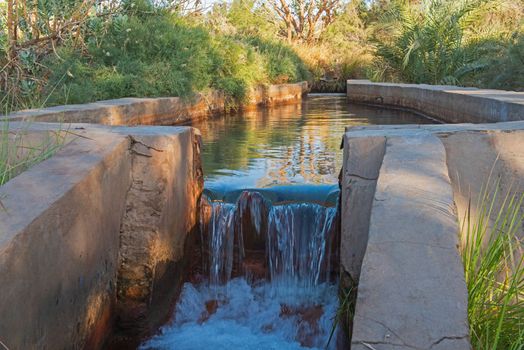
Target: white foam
(247, 317)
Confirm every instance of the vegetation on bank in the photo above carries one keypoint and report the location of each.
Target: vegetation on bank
(56, 51)
(472, 43)
(138, 50)
(19, 151)
(493, 257)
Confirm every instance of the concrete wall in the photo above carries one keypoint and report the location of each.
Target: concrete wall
(94, 240)
(405, 190)
(159, 111)
(451, 104)
(479, 160)
(69, 241)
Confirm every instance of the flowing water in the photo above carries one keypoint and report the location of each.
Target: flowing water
(269, 228)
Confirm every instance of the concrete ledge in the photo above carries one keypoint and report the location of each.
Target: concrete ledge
(448, 103)
(65, 219)
(411, 291)
(160, 212)
(362, 161)
(159, 111)
(475, 155)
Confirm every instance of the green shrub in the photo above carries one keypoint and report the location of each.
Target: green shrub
(282, 64)
(160, 54)
(429, 44)
(506, 64)
(248, 18)
(492, 254)
(237, 67)
(466, 42)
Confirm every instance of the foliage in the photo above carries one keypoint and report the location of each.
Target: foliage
(429, 46)
(74, 51)
(446, 42)
(282, 63)
(18, 152)
(149, 51)
(304, 19)
(505, 60)
(492, 253)
(245, 18)
(152, 56)
(343, 51)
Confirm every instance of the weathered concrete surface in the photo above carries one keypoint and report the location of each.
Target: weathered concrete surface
(161, 210)
(62, 230)
(411, 292)
(480, 160)
(362, 162)
(276, 94)
(159, 111)
(475, 154)
(59, 246)
(448, 103)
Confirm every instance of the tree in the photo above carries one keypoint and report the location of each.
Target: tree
(304, 20)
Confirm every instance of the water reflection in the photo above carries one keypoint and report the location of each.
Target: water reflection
(289, 144)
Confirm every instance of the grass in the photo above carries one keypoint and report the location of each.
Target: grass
(492, 255)
(149, 53)
(18, 152)
(346, 308)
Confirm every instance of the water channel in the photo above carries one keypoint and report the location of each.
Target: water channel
(269, 228)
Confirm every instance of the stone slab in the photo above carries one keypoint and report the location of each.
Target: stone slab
(451, 104)
(161, 110)
(64, 221)
(411, 292)
(361, 165)
(59, 246)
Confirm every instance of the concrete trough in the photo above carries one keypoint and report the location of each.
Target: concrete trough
(94, 241)
(405, 191)
(94, 237)
(162, 110)
(450, 104)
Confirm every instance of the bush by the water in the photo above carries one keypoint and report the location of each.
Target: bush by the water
(465, 42)
(145, 51)
(55, 52)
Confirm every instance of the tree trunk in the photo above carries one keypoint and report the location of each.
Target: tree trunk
(11, 29)
(289, 29)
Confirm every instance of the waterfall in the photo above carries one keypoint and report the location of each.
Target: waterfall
(269, 287)
(297, 238)
(299, 241)
(221, 242)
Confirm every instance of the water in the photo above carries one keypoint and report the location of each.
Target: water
(248, 317)
(299, 244)
(292, 144)
(290, 305)
(269, 254)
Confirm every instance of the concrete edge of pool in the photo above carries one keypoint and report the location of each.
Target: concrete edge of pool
(408, 188)
(61, 270)
(89, 238)
(161, 110)
(450, 104)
